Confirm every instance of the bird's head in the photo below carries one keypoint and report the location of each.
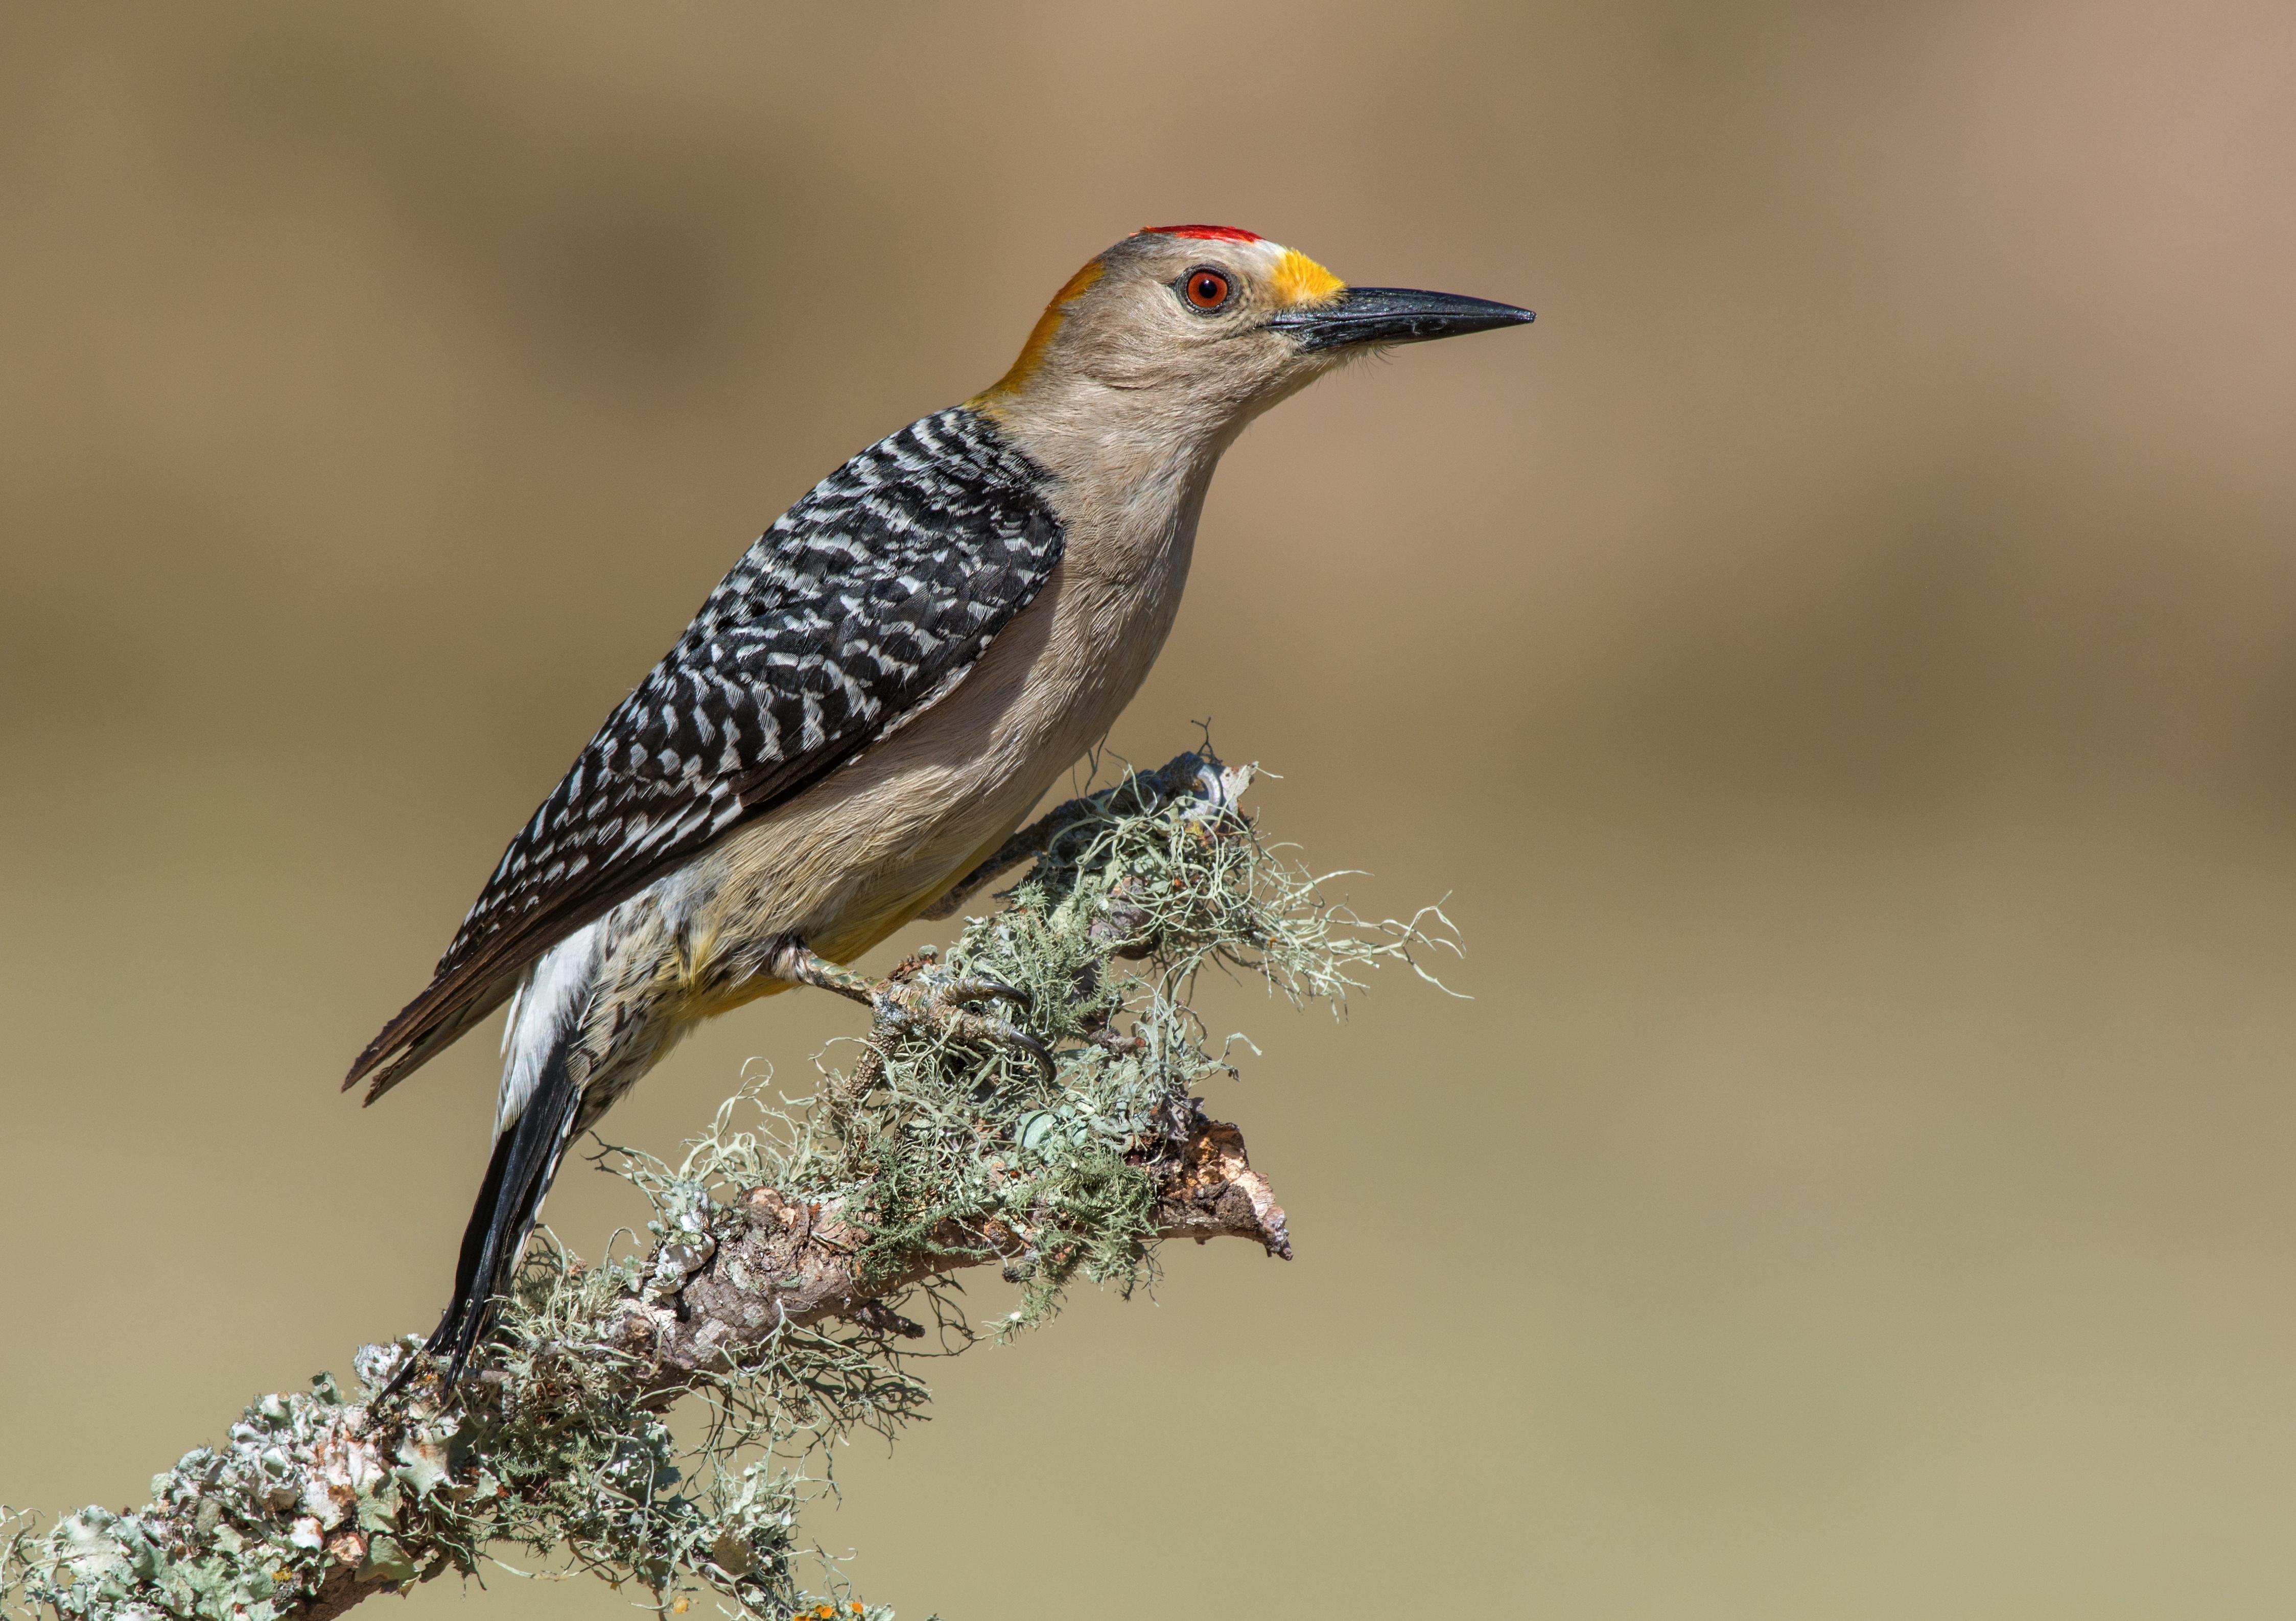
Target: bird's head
(1181, 334)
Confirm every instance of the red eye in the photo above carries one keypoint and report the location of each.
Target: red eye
(1207, 289)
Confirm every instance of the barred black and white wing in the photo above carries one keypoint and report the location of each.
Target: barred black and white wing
(868, 600)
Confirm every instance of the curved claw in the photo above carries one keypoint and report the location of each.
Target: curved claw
(978, 1028)
(983, 990)
(1041, 1052)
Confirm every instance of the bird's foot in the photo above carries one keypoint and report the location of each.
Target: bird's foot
(947, 1008)
(911, 999)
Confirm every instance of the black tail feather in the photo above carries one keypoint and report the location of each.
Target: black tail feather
(518, 1176)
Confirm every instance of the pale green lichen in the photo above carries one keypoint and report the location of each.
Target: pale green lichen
(559, 1447)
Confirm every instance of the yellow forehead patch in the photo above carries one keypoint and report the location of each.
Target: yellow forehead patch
(1299, 280)
(1040, 337)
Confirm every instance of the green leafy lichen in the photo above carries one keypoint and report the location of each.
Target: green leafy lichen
(942, 1148)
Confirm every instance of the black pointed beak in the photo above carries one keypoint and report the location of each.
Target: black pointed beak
(1394, 314)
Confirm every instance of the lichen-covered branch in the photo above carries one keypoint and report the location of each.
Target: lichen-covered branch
(803, 1260)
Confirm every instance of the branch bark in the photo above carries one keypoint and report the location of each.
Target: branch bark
(793, 1264)
(318, 1503)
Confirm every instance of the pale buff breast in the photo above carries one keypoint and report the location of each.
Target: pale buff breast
(855, 857)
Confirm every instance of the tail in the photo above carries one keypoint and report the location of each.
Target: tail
(525, 1160)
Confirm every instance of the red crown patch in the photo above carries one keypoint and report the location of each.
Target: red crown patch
(1210, 233)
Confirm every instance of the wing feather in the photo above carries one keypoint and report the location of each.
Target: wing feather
(867, 600)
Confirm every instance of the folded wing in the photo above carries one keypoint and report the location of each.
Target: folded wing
(868, 600)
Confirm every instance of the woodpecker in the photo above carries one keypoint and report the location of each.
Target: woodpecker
(875, 696)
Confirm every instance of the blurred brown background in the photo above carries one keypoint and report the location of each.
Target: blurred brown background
(1842, 660)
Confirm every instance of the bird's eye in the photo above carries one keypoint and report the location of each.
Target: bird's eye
(1208, 289)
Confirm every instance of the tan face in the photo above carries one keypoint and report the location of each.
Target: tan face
(1187, 332)
(1162, 325)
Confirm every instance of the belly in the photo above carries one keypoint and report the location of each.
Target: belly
(863, 852)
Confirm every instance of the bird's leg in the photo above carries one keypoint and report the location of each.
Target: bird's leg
(901, 1002)
(798, 963)
(794, 962)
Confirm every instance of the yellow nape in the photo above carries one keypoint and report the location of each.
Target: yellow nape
(1299, 280)
(1040, 338)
